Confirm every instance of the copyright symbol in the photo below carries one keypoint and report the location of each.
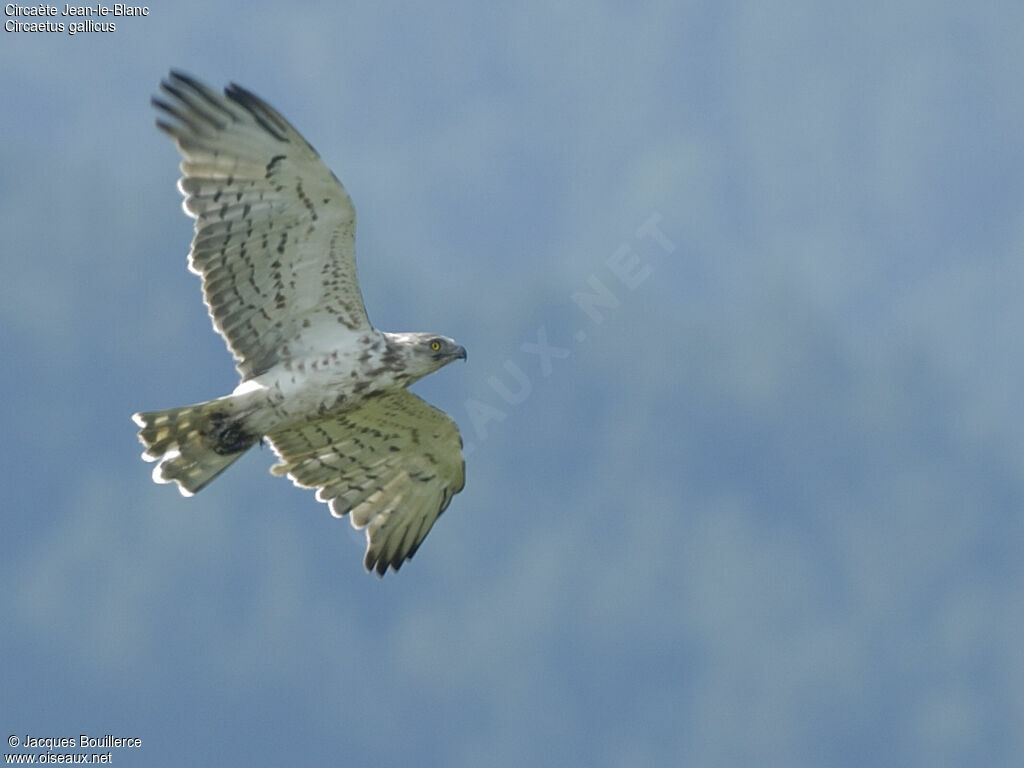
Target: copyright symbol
(13, 741)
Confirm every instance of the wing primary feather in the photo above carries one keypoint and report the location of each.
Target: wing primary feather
(199, 110)
(178, 115)
(209, 96)
(262, 112)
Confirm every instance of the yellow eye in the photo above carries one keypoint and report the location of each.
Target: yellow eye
(435, 345)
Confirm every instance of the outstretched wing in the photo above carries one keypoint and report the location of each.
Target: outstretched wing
(275, 229)
(392, 465)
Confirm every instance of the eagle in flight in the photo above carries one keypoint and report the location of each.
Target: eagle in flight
(274, 246)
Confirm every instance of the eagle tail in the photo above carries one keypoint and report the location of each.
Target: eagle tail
(193, 444)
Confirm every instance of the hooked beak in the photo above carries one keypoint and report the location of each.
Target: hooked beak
(460, 353)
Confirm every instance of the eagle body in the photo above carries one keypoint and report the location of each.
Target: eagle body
(297, 390)
(275, 248)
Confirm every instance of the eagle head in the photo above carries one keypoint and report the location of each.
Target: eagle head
(418, 354)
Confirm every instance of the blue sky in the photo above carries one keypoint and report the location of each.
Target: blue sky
(761, 507)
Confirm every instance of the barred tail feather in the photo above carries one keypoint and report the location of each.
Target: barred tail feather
(193, 444)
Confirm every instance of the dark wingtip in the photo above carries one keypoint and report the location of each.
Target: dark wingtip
(379, 566)
(179, 76)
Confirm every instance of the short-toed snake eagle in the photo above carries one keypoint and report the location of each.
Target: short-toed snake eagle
(275, 247)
